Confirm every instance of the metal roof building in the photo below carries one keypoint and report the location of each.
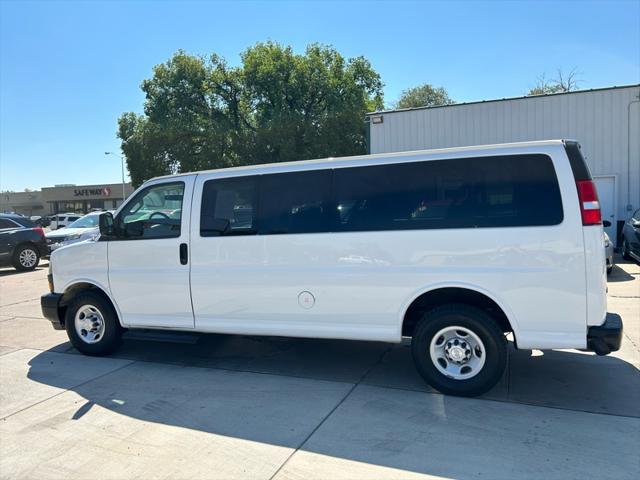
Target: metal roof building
(605, 121)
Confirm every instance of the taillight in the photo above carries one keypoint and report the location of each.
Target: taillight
(589, 204)
(39, 230)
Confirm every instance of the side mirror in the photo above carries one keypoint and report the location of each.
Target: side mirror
(106, 224)
(606, 223)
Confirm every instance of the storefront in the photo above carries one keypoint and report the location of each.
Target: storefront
(83, 198)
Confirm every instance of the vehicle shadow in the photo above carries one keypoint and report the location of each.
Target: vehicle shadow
(9, 271)
(283, 404)
(618, 274)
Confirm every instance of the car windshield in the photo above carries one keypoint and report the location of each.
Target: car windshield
(88, 221)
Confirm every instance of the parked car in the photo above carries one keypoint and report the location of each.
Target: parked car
(351, 248)
(40, 221)
(608, 252)
(85, 228)
(631, 237)
(22, 242)
(62, 220)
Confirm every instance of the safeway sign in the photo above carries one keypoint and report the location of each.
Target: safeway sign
(92, 192)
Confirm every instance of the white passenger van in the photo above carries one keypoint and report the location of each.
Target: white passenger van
(452, 247)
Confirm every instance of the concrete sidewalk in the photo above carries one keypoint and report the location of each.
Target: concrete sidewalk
(219, 406)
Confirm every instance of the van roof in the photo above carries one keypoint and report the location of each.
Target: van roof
(328, 162)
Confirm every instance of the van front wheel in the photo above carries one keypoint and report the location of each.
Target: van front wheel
(92, 324)
(459, 350)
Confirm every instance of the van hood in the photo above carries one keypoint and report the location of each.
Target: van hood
(68, 232)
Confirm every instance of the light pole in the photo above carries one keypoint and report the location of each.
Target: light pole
(122, 161)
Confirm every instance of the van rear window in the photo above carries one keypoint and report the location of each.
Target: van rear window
(502, 191)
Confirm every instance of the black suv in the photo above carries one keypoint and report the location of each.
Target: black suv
(631, 238)
(22, 242)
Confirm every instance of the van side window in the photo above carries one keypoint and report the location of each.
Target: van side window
(296, 202)
(155, 212)
(500, 191)
(228, 207)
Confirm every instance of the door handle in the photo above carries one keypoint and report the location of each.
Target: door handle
(184, 254)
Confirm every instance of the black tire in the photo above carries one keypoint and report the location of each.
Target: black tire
(625, 250)
(479, 323)
(609, 269)
(19, 259)
(110, 338)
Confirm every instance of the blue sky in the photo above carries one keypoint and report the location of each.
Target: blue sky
(69, 69)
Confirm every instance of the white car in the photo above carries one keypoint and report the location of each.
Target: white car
(608, 253)
(454, 248)
(62, 220)
(84, 228)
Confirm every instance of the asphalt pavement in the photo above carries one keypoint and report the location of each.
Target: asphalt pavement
(178, 406)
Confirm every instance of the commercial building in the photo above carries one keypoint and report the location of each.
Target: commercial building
(25, 203)
(84, 198)
(605, 121)
(65, 198)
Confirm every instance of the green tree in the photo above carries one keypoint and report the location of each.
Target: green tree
(425, 95)
(200, 113)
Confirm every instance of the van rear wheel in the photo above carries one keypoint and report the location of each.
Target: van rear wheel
(92, 324)
(459, 350)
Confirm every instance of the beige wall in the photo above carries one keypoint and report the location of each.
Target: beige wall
(25, 203)
(104, 191)
(76, 198)
(83, 198)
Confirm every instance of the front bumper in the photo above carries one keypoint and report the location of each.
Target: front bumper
(605, 338)
(44, 250)
(53, 245)
(50, 304)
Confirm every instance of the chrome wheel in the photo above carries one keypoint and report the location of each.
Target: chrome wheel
(457, 352)
(28, 258)
(89, 324)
